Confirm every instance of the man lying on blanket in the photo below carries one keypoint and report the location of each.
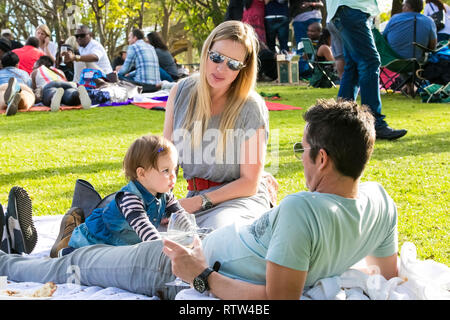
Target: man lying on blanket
(309, 236)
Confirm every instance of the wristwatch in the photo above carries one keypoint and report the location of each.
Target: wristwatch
(77, 57)
(201, 281)
(206, 202)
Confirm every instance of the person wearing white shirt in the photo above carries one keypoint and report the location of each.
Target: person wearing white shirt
(92, 54)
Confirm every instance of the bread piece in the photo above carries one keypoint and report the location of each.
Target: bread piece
(47, 290)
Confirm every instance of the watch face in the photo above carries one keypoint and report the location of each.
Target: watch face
(199, 285)
(208, 205)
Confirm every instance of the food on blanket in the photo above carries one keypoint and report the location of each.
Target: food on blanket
(12, 293)
(47, 290)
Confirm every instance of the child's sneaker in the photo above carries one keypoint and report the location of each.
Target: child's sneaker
(56, 99)
(19, 219)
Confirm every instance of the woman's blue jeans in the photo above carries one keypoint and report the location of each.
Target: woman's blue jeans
(362, 61)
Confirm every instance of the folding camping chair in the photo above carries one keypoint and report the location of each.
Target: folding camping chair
(319, 67)
(390, 60)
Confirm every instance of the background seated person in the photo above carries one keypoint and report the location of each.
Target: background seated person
(5, 46)
(268, 63)
(6, 33)
(10, 63)
(324, 52)
(119, 60)
(29, 54)
(46, 45)
(314, 32)
(433, 6)
(92, 54)
(399, 31)
(44, 72)
(165, 58)
(15, 91)
(143, 58)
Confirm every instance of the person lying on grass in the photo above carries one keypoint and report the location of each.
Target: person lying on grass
(309, 236)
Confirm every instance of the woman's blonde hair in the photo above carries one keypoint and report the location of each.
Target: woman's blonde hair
(144, 152)
(72, 41)
(46, 29)
(199, 110)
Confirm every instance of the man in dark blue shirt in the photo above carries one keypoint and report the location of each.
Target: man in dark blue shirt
(399, 31)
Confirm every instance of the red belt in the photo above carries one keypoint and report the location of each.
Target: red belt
(198, 184)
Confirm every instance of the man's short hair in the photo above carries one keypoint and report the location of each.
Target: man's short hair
(32, 41)
(10, 59)
(344, 130)
(415, 5)
(44, 61)
(138, 34)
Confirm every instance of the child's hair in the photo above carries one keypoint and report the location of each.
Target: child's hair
(144, 152)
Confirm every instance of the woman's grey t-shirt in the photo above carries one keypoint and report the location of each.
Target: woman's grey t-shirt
(201, 161)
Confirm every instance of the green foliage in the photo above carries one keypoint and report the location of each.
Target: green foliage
(46, 152)
(202, 19)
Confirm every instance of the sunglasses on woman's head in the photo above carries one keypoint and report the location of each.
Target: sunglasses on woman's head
(233, 64)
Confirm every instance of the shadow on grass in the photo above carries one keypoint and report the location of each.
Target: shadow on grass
(11, 178)
(384, 150)
(412, 145)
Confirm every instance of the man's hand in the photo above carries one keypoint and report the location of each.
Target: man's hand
(186, 263)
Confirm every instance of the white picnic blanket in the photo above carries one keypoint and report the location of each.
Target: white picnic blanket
(417, 279)
(48, 229)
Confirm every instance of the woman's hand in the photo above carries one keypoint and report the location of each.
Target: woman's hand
(191, 205)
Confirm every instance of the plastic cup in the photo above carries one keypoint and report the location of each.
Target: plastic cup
(3, 282)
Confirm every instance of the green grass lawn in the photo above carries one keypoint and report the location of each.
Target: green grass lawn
(46, 152)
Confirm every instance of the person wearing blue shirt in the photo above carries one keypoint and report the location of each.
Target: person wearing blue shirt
(143, 58)
(399, 31)
(15, 85)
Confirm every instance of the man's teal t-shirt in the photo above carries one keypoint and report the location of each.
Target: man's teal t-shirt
(323, 234)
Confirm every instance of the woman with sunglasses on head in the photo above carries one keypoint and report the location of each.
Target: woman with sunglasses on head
(219, 125)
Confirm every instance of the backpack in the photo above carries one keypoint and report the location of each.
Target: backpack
(88, 75)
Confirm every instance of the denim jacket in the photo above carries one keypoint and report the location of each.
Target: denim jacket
(109, 226)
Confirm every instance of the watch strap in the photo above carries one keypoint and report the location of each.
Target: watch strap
(206, 202)
(204, 278)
